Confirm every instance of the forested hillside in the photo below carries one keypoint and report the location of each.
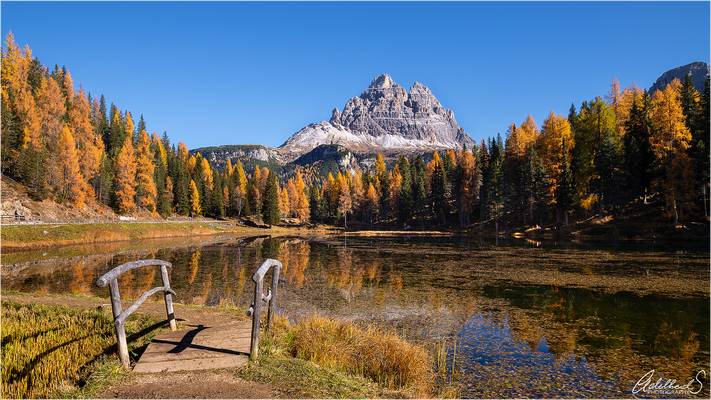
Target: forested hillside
(64, 144)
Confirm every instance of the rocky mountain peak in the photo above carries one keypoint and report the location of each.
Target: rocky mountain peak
(418, 87)
(385, 116)
(335, 115)
(383, 81)
(697, 70)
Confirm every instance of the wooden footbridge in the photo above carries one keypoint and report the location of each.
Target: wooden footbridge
(197, 346)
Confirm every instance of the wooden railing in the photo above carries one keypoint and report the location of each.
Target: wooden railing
(111, 278)
(255, 310)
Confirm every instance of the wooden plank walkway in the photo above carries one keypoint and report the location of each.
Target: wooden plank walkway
(198, 347)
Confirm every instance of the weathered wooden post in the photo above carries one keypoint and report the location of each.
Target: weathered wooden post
(256, 317)
(272, 294)
(168, 297)
(256, 309)
(118, 325)
(111, 278)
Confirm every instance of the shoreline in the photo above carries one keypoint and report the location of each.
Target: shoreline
(23, 237)
(17, 238)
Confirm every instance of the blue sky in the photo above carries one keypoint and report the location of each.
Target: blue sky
(232, 73)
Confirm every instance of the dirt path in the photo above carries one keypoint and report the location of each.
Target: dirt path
(213, 384)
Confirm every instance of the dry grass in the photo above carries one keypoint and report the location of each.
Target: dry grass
(47, 350)
(381, 356)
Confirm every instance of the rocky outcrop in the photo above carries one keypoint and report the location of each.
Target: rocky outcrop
(698, 71)
(14, 211)
(384, 116)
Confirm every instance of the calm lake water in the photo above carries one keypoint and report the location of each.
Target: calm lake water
(516, 318)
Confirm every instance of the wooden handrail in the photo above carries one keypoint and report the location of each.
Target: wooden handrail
(111, 278)
(123, 268)
(259, 298)
(130, 310)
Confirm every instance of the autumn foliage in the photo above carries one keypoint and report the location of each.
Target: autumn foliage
(64, 144)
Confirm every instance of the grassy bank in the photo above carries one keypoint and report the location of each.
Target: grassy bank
(54, 351)
(18, 237)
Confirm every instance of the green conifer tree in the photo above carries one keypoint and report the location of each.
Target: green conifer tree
(270, 204)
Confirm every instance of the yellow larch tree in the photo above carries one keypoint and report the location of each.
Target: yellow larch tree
(146, 192)
(380, 169)
(302, 201)
(192, 164)
(451, 157)
(370, 202)
(241, 177)
(89, 143)
(183, 153)
(357, 190)
(129, 126)
(17, 92)
(255, 191)
(670, 139)
(614, 96)
(206, 173)
(284, 203)
(263, 177)
(67, 85)
(467, 188)
(556, 132)
(522, 137)
(195, 208)
(345, 202)
(431, 165)
(229, 169)
(666, 117)
(159, 150)
(51, 107)
(290, 189)
(331, 189)
(70, 184)
(630, 95)
(395, 187)
(125, 178)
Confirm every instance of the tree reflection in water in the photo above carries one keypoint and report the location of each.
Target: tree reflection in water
(574, 321)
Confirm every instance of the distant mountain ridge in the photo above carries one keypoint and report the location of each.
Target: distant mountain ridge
(698, 71)
(384, 118)
(251, 154)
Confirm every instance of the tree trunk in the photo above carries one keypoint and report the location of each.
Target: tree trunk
(676, 213)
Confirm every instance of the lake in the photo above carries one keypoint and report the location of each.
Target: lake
(514, 318)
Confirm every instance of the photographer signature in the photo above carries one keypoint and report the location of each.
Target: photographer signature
(646, 384)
